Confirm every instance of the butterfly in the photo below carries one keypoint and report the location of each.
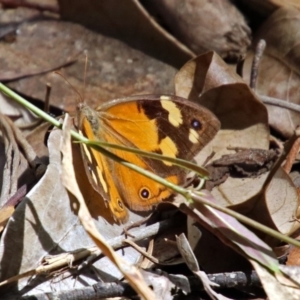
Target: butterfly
(167, 125)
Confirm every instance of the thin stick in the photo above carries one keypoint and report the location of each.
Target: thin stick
(47, 98)
(255, 64)
(93, 253)
(240, 66)
(291, 157)
(141, 251)
(101, 290)
(279, 103)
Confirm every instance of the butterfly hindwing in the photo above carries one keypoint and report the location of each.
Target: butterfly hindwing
(97, 168)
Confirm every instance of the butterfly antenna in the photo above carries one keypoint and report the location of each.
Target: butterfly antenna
(74, 89)
(85, 71)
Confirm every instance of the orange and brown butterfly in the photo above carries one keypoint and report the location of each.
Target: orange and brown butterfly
(167, 125)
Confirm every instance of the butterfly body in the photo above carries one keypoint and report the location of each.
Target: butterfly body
(167, 125)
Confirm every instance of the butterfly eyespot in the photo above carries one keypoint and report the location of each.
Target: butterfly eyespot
(196, 124)
(120, 203)
(145, 193)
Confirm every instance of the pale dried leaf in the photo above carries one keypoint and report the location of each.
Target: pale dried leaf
(236, 191)
(244, 120)
(164, 284)
(291, 272)
(274, 289)
(276, 208)
(130, 272)
(189, 258)
(21, 116)
(194, 234)
(43, 224)
(281, 199)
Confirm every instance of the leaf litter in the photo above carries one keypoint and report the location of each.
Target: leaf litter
(45, 221)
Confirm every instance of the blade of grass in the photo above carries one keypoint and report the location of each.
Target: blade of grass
(189, 195)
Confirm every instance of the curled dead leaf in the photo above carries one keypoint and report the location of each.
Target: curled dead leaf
(203, 73)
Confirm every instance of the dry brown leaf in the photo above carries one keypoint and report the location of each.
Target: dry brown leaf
(203, 73)
(293, 257)
(267, 7)
(37, 139)
(236, 191)
(279, 70)
(244, 124)
(114, 69)
(17, 61)
(243, 118)
(205, 25)
(5, 213)
(129, 22)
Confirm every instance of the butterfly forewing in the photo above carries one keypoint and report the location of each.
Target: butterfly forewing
(166, 125)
